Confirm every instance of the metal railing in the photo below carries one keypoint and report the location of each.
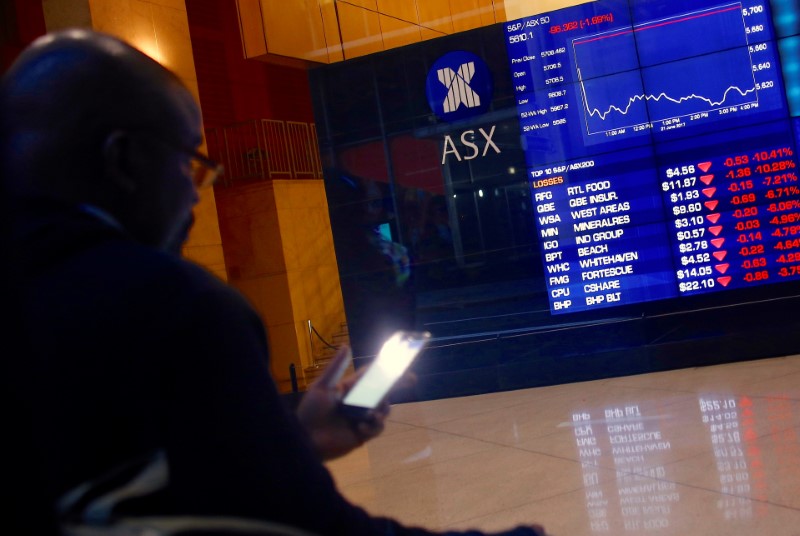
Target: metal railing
(262, 149)
(312, 333)
(301, 148)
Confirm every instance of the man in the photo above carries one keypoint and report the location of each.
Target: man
(128, 348)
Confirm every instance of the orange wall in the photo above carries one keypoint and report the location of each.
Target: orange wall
(279, 253)
(232, 88)
(327, 31)
(160, 28)
(276, 234)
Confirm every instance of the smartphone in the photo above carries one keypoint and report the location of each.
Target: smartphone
(343, 366)
(396, 355)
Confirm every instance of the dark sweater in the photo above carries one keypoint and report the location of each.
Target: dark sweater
(134, 350)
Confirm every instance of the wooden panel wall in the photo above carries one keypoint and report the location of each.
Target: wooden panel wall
(328, 31)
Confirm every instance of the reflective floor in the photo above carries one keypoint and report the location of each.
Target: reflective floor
(705, 451)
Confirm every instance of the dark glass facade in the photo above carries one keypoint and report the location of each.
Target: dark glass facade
(435, 229)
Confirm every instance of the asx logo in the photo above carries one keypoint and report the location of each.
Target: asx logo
(458, 90)
(459, 86)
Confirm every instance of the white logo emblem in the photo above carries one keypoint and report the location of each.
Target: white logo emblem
(458, 90)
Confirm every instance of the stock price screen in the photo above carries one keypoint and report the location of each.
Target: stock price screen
(660, 149)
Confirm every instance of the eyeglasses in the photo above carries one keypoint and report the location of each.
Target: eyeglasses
(204, 170)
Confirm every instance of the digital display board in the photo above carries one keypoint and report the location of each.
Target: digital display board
(660, 148)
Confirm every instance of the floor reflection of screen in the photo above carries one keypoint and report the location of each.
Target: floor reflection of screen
(750, 439)
(745, 453)
(784, 442)
(645, 498)
(633, 443)
(721, 416)
(590, 455)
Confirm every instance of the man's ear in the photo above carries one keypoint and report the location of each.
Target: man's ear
(119, 161)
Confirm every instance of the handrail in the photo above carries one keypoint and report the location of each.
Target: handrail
(263, 149)
(312, 331)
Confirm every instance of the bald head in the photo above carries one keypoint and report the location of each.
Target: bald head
(77, 110)
(68, 90)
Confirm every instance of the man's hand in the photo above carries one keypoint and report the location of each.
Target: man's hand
(332, 433)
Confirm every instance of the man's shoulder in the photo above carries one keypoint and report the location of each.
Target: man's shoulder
(64, 242)
(155, 271)
(128, 256)
(73, 262)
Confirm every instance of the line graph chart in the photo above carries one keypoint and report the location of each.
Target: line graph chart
(663, 96)
(694, 63)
